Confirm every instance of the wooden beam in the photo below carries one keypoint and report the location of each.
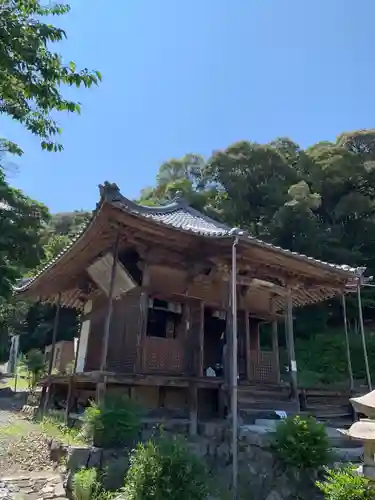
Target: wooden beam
(247, 344)
(53, 350)
(193, 409)
(201, 342)
(144, 319)
(275, 348)
(291, 348)
(101, 388)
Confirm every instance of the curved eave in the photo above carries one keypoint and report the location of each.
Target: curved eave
(159, 215)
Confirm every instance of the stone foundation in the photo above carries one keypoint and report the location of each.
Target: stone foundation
(261, 476)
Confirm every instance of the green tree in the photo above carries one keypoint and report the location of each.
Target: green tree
(31, 74)
(21, 223)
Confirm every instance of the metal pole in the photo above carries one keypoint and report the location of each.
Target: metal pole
(291, 348)
(361, 325)
(350, 369)
(234, 373)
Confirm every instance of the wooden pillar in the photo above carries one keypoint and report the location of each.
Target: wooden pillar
(71, 386)
(291, 348)
(275, 349)
(247, 345)
(47, 394)
(201, 342)
(193, 409)
(144, 319)
(101, 386)
(347, 344)
(254, 336)
(69, 399)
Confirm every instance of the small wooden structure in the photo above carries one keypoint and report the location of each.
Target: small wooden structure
(153, 288)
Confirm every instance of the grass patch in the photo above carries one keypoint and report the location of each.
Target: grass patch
(18, 428)
(22, 383)
(54, 427)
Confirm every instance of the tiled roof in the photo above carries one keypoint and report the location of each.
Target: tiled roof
(180, 216)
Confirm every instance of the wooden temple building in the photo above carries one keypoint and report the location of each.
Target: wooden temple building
(153, 285)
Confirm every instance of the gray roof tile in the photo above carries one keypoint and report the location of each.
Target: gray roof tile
(179, 215)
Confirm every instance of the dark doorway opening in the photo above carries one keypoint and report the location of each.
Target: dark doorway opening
(214, 340)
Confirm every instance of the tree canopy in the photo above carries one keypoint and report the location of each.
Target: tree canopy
(31, 74)
(319, 201)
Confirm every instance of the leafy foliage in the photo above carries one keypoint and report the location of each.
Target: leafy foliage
(301, 443)
(114, 423)
(165, 469)
(345, 484)
(34, 364)
(84, 484)
(31, 75)
(21, 222)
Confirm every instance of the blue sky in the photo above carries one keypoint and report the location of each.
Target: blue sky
(184, 76)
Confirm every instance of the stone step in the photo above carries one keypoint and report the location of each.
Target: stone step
(288, 406)
(262, 394)
(354, 455)
(31, 486)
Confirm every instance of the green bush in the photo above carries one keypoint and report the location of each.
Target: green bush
(165, 470)
(301, 443)
(34, 364)
(84, 484)
(345, 484)
(114, 424)
(322, 358)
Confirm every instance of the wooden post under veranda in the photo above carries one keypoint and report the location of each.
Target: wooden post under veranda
(72, 378)
(363, 336)
(101, 385)
(47, 392)
(347, 343)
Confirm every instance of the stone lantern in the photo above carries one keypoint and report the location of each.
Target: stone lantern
(364, 430)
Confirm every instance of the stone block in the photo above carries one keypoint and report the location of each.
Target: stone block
(274, 495)
(211, 429)
(77, 458)
(57, 450)
(95, 458)
(254, 435)
(199, 447)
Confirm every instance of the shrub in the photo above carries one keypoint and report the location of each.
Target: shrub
(115, 423)
(345, 484)
(34, 363)
(84, 484)
(165, 469)
(301, 443)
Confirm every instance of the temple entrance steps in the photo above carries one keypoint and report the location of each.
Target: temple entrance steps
(262, 400)
(330, 407)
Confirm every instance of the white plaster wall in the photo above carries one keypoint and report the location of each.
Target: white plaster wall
(84, 336)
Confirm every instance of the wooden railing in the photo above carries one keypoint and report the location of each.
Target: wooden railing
(263, 366)
(163, 355)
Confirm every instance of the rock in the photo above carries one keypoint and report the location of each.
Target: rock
(95, 458)
(77, 458)
(211, 429)
(48, 489)
(59, 490)
(57, 451)
(274, 495)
